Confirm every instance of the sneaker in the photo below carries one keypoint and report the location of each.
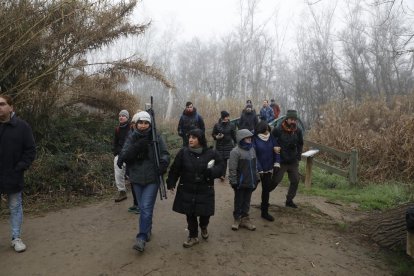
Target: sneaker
(204, 233)
(235, 225)
(18, 245)
(289, 203)
(139, 245)
(134, 209)
(190, 242)
(246, 223)
(121, 196)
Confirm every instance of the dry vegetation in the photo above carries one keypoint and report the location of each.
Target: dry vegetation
(380, 131)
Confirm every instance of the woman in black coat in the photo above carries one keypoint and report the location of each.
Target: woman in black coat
(225, 135)
(195, 167)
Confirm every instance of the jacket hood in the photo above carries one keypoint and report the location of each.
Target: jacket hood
(243, 133)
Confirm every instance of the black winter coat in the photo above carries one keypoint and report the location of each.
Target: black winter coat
(225, 144)
(17, 152)
(121, 133)
(291, 144)
(248, 120)
(195, 192)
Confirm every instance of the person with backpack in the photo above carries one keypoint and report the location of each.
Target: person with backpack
(120, 135)
(189, 120)
(138, 153)
(224, 133)
(275, 107)
(248, 118)
(290, 138)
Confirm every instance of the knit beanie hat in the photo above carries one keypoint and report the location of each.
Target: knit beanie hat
(143, 116)
(124, 112)
(292, 114)
(224, 114)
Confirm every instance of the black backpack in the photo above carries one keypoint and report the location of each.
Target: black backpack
(409, 217)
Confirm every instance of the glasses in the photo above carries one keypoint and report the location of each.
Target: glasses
(143, 122)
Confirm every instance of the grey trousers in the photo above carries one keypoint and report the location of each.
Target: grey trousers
(293, 175)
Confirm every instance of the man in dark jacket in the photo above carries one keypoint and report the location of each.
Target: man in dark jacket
(248, 118)
(189, 120)
(266, 112)
(120, 135)
(17, 152)
(290, 139)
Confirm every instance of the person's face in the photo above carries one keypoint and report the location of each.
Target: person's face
(193, 141)
(142, 125)
(265, 103)
(291, 121)
(226, 119)
(5, 109)
(190, 108)
(248, 140)
(122, 119)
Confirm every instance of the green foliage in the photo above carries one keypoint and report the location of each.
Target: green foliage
(369, 196)
(74, 156)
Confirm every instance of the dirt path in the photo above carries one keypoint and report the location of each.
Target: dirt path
(98, 239)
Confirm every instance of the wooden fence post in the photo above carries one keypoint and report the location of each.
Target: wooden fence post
(308, 174)
(410, 244)
(353, 167)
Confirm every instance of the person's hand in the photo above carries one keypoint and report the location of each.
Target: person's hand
(219, 136)
(276, 150)
(163, 167)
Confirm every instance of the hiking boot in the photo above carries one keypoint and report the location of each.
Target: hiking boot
(267, 216)
(18, 245)
(149, 236)
(190, 242)
(246, 223)
(236, 224)
(134, 209)
(121, 196)
(289, 203)
(204, 233)
(139, 245)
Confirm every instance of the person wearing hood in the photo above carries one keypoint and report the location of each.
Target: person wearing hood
(224, 133)
(248, 118)
(17, 152)
(243, 178)
(189, 120)
(290, 138)
(120, 135)
(194, 168)
(138, 154)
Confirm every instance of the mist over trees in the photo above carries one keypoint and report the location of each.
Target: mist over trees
(369, 54)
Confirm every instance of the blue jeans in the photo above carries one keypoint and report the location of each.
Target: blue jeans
(146, 196)
(16, 213)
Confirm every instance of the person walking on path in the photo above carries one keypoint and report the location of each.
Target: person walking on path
(143, 173)
(268, 160)
(195, 167)
(275, 107)
(248, 118)
(189, 120)
(224, 133)
(17, 152)
(266, 112)
(120, 135)
(290, 138)
(243, 178)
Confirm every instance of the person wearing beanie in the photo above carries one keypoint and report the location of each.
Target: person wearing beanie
(138, 154)
(248, 118)
(120, 134)
(290, 138)
(195, 167)
(189, 120)
(243, 178)
(266, 112)
(268, 161)
(224, 135)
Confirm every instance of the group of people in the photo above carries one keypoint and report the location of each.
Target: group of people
(255, 153)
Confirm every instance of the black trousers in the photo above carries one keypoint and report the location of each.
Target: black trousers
(193, 223)
(266, 179)
(242, 199)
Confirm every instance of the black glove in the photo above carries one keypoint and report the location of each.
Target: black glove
(163, 167)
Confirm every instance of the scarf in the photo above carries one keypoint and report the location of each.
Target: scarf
(264, 137)
(196, 150)
(245, 146)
